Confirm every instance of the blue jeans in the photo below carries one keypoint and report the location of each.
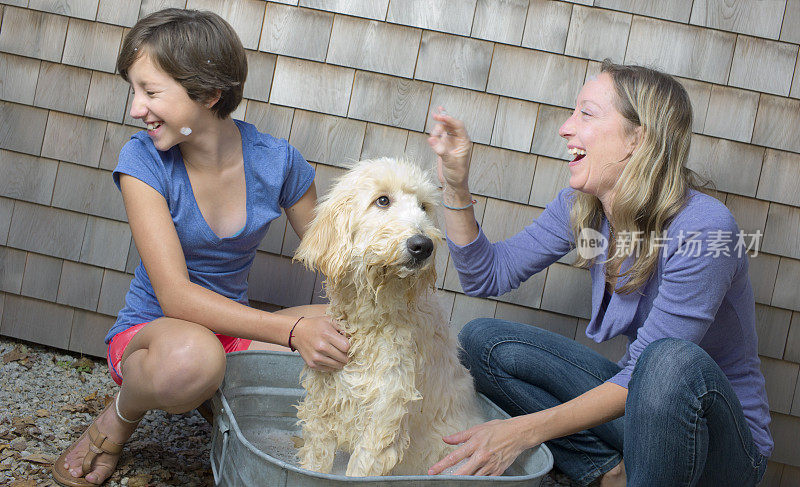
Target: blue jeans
(683, 424)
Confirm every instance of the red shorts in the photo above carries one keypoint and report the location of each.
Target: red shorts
(116, 348)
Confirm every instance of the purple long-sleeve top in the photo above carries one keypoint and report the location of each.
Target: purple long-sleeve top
(700, 291)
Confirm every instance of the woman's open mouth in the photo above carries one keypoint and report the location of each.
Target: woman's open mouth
(577, 155)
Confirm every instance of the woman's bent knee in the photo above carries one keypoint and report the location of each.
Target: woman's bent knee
(668, 364)
(672, 357)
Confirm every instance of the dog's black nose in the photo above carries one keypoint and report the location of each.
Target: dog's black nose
(420, 247)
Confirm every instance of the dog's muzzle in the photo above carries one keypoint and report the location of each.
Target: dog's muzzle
(419, 247)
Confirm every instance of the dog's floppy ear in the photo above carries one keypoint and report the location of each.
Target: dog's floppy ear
(326, 243)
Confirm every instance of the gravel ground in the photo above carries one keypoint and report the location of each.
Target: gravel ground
(48, 397)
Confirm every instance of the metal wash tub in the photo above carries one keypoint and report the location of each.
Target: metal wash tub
(255, 420)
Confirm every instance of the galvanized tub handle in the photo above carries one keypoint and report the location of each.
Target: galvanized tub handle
(222, 426)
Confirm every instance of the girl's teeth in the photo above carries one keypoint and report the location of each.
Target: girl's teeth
(577, 152)
(153, 126)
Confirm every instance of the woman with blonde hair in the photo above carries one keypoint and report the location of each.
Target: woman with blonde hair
(686, 405)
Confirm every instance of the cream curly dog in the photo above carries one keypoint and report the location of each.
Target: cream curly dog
(403, 388)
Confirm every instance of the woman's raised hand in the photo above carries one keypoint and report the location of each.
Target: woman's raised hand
(321, 343)
(449, 140)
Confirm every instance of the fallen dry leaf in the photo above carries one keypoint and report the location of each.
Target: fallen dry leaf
(84, 364)
(19, 353)
(43, 458)
(42, 413)
(141, 480)
(23, 483)
(22, 422)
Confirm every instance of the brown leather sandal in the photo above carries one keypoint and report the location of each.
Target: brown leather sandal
(98, 443)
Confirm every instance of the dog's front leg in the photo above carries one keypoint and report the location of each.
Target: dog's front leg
(386, 428)
(380, 449)
(319, 445)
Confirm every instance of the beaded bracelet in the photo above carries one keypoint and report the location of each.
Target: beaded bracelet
(291, 333)
(471, 203)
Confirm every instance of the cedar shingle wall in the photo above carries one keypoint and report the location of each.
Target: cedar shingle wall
(346, 79)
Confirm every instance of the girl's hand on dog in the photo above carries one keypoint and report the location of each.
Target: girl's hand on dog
(321, 343)
(450, 141)
(490, 448)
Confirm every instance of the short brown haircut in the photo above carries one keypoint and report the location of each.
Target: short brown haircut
(198, 49)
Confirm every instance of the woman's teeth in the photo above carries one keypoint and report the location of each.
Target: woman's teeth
(576, 152)
(154, 125)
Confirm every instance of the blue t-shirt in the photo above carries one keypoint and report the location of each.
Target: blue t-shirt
(276, 176)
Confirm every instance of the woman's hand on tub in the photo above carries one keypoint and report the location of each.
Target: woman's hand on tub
(490, 448)
(321, 343)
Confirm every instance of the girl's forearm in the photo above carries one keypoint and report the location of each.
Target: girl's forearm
(192, 302)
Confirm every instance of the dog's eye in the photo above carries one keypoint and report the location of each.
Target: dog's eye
(382, 201)
(424, 207)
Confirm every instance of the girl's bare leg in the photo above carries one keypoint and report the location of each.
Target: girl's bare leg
(170, 364)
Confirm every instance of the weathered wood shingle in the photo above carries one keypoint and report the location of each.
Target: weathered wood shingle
(371, 9)
(754, 17)
(295, 32)
(106, 99)
(536, 76)
(514, 124)
(329, 140)
(27, 178)
(18, 77)
(477, 110)
(763, 65)
(82, 9)
(42, 275)
(312, 86)
(675, 10)
(598, 34)
(775, 118)
(454, 60)
(36, 321)
(74, 139)
(54, 80)
(732, 166)
(34, 34)
(22, 128)
(92, 45)
(547, 25)
(500, 20)
(271, 119)
(390, 100)
(45, 230)
(453, 16)
(245, 16)
(105, 243)
(780, 178)
(682, 50)
(731, 113)
(361, 44)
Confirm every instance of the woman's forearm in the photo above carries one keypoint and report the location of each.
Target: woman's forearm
(604, 403)
(461, 224)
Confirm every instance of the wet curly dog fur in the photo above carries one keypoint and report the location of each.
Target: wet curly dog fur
(403, 388)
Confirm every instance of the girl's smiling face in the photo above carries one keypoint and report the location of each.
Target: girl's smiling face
(598, 137)
(163, 104)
